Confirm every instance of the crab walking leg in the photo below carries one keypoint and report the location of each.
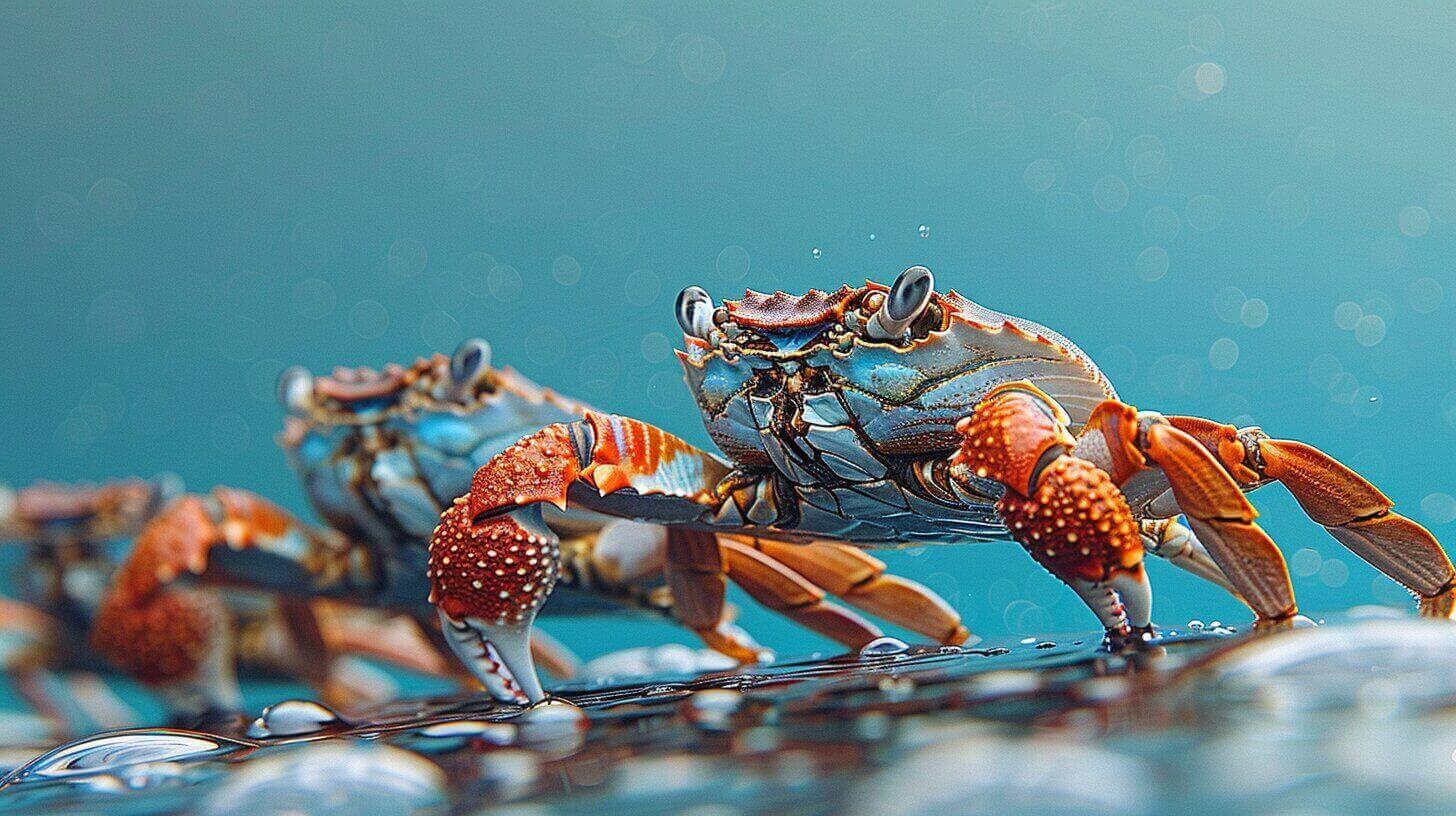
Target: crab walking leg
(697, 574)
(1066, 511)
(1126, 442)
(1171, 541)
(858, 578)
(1353, 510)
(781, 589)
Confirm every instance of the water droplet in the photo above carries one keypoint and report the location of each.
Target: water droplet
(924, 231)
(1367, 402)
(872, 236)
(701, 58)
(638, 40)
(1334, 573)
(656, 347)
(108, 753)
(1161, 225)
(1223, 354)
(293, 717)
(1195, 625)
(1205, 33)
(1203, 213)
(817, 253)
(407, 258)
(882, 646)
(504, 282)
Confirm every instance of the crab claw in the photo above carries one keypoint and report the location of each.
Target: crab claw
(907, 300)
(295, 390)
(695, 312)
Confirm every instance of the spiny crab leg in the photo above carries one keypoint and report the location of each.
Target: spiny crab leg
(1354, 511)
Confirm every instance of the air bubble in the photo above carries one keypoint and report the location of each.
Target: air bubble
(407, 258)
(1110, 194)
(1370, 330)
(369, 319)
(1425, 294)
(1040, 176)
(656, 347)
(1203, 213)
(1323, 370)
(733, 262)
(1334, 573)
(924, 231)
(638, 40)
(1223, 354)
(504, 282)
(566, 270)
(112, 202)
(1152, 263)
(1093, 137)
(1209, 78)
(1439, 508)
(1347, 314)
(1228, 303)
(701, 59)
(1161, 225)
(817, 253)
(1343, 389)
(1305, 562)
(1414, 221)
(1205, 33)
(1254, 313)
(1288, 206)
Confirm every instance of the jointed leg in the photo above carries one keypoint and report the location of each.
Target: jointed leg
(1353, 510)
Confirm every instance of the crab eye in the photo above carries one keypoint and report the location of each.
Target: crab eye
(295, 389)
(907, 300)
(470, 359)
(695, 312)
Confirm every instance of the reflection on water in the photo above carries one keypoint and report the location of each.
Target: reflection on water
(1353, 716)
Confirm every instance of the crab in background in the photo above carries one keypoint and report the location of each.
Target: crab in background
(75, 536)
(896, 415)
(380, 454)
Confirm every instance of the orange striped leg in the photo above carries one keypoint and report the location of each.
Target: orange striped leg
(783, 590)
(1353, 510)
(859, 579)
(1066, 511)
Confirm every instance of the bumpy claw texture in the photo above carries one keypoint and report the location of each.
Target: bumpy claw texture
(1076, 522)
(167, 638)
(497, 569)
(1008, 435)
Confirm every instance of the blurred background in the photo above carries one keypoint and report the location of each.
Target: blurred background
(1240, 210)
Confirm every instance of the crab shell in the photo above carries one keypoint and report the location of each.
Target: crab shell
(903, 397)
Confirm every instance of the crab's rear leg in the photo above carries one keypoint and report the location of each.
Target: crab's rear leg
(1354, 511)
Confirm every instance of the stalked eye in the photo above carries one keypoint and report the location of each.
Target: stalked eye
(907, 301)
(470, 359)
(295, 390)
(695, 312)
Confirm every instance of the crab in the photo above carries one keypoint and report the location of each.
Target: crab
(75, 536)
(380, 453)
(899, 415)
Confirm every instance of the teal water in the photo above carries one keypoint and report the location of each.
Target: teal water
(1240, 210)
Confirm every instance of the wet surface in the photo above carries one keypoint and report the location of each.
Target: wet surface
(1353, 716)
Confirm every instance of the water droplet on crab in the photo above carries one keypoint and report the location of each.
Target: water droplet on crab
(881, 646)
(924, 231)
(292, 717)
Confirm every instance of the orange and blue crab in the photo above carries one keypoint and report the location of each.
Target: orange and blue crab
(380, 455)
(895, 415)
(75, 536)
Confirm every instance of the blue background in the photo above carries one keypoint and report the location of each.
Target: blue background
(196, 195)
